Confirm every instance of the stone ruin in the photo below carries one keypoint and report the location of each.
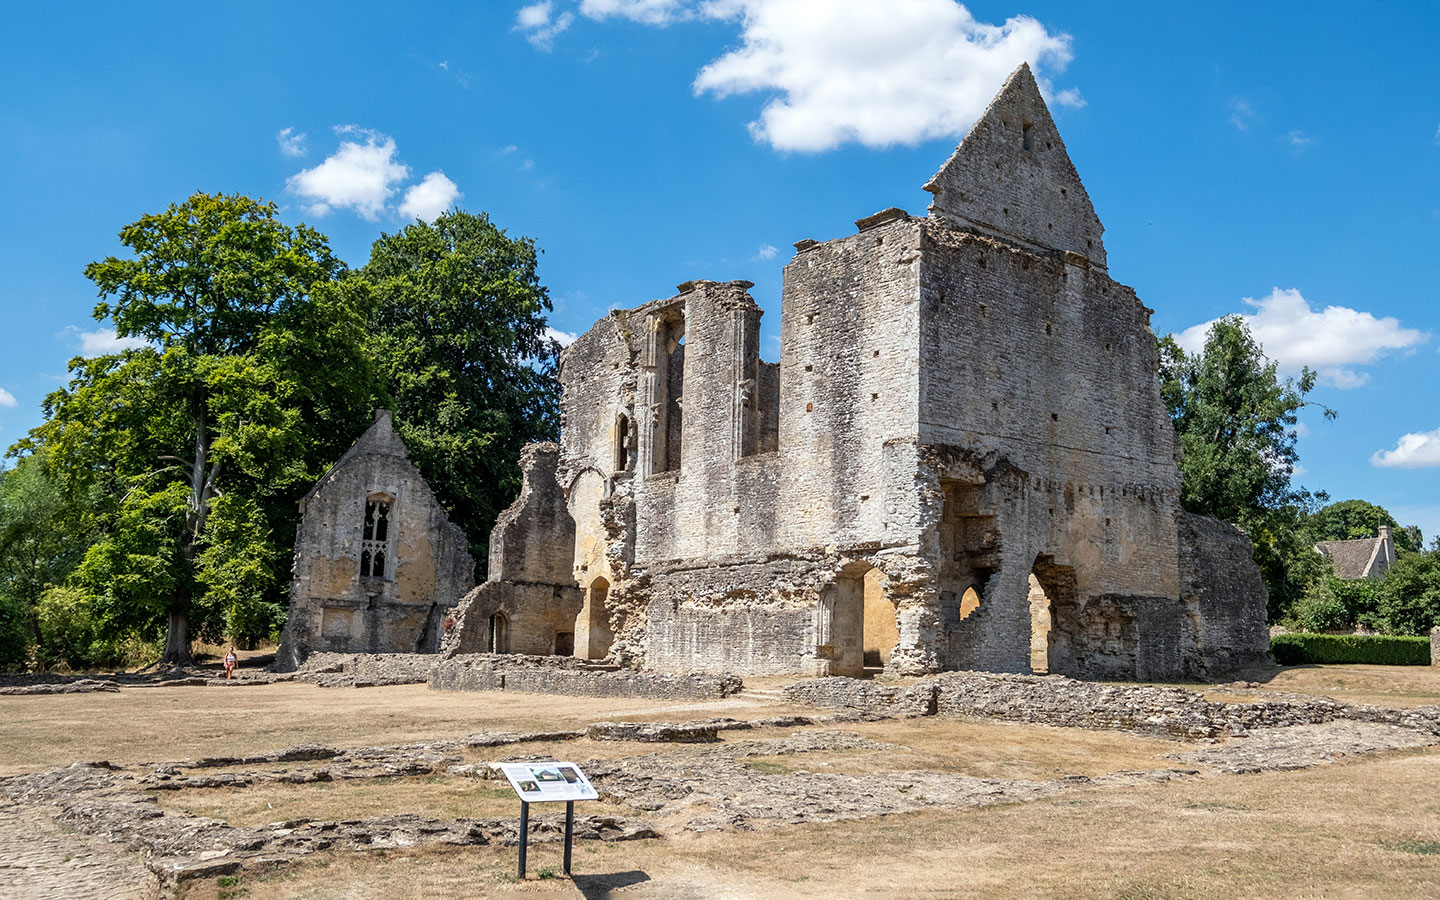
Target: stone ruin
(961, 461)
(378, 566)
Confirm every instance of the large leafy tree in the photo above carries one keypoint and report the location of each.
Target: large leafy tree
(460, 339)
(1355, 519)
(1235, 419)
(199, 440)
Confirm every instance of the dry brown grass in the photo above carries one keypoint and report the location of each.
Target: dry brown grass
(436, 796)
(1367, 828)
(155, 724)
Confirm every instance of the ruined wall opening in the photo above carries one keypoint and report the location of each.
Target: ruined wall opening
(1052, 601)
(668, 360)
(499, 634)
(624, 444)
(375, 536)
(878, 624)
(1027, 138)
(564, 643)
(969, 602)
(592, 626)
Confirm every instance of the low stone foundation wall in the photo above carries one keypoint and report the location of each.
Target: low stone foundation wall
(570, 677)
(1435, 647)
(366, 669)
(1054, 700)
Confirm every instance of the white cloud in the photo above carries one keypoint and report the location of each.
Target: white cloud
(846, 71)
(1242, 115)
(432, 196)
(1329, 341)
(291, 143)
(564, 338)
(1412, 451)
(101, 341)
(1299, 139)
(766, 251)
(647, 12)
(541, 27)
(6, 398)
(358, 176)
(873, 73)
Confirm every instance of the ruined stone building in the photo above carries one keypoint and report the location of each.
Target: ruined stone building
(378, 566)
(961, 460)
(1367, 558)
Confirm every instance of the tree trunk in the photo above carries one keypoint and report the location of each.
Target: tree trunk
(177, 641)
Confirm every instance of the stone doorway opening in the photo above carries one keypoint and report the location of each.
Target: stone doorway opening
(857, 627)
(1051, 597)
(880, 629)
(592, 627)
(499, 634)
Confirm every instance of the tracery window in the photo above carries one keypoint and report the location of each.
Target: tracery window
(375, 540)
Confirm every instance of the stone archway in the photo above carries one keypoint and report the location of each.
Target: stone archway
(592, 627)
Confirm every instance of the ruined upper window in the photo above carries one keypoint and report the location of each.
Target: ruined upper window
(375, 538)
(1027, 140)
(624, 452)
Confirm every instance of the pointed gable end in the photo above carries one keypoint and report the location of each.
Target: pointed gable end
(1012, 178)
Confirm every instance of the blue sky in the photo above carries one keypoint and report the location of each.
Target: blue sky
(1277, 160)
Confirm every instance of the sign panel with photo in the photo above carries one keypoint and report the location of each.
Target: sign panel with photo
(542, 782)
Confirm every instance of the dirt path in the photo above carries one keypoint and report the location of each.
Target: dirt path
(39, 859)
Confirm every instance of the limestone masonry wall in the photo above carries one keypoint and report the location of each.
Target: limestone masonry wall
(960, 461)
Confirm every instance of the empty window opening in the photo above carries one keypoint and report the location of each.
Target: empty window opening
(1027, 140)
(564, 643)
(856, 629)
(624, 452)
(592, 626)
(499, 634)
(969, 602)
(375, 538)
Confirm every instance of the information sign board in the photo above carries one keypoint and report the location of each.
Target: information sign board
(542, 782)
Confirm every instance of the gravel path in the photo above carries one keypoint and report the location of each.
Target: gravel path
(39, 859)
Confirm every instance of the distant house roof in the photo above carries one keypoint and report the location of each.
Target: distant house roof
(1363, 558)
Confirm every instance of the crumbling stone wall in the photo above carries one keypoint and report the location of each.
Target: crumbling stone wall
(397, 605)
(529, 601)
(965, 404)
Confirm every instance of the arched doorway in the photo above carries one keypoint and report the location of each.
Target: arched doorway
(592, 627)
(499, 634)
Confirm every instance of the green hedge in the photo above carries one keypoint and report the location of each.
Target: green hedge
(1375, 649)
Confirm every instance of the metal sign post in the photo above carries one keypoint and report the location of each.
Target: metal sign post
(547, 782)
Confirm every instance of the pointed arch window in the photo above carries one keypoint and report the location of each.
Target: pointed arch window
(375, 559)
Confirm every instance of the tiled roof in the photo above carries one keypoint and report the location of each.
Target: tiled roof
(1351, 558)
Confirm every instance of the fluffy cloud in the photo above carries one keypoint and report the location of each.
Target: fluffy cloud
(431, 197)
(291, 143)
(1330, 341)
(1412, 451)
(101, 341)
(564, 338)
(6, 398)
(845, 71)
(766, 251)
(875, 74)
(1242, 114)
(540, 27)
(358, 176)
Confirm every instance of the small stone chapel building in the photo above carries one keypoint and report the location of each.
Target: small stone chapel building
(378, 566)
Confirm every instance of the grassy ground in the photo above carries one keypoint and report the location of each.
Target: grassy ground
(1365, 827)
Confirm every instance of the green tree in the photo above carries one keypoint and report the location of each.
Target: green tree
(460, 339)
(1354, 519)
(1408, 600)
(199, 441)
(44, 534)
(1235, 420)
